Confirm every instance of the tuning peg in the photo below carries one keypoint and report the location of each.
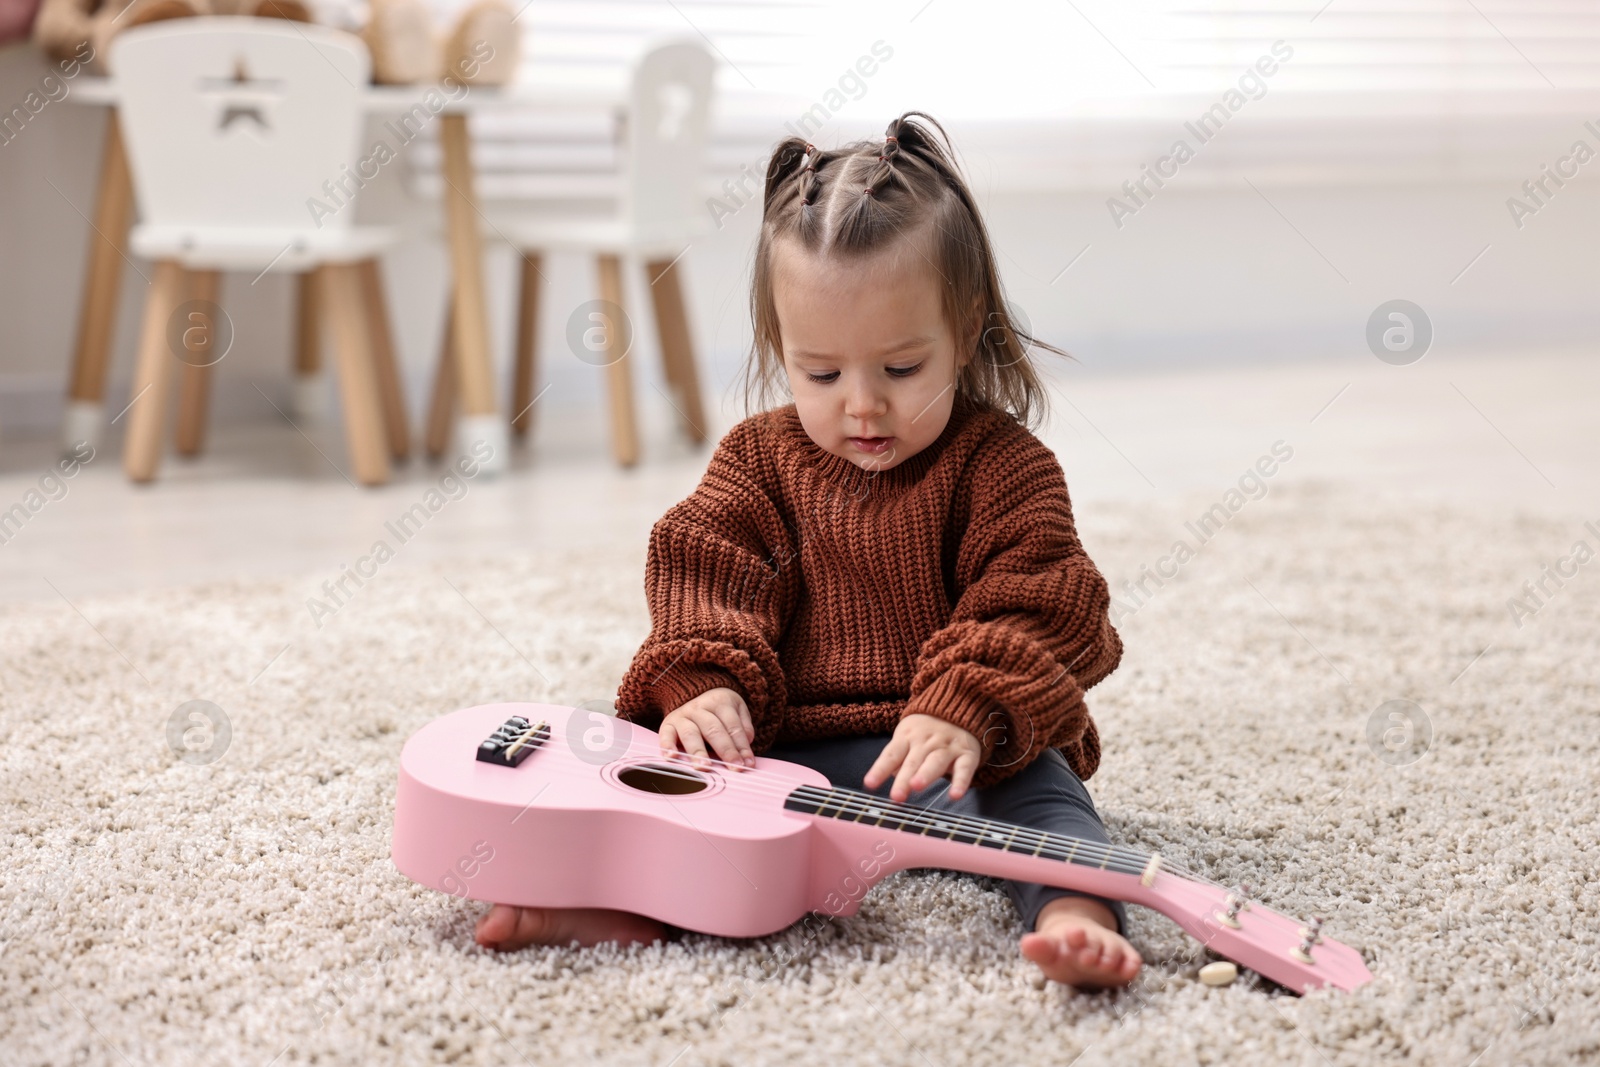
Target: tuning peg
(1238, 900)
(1310, 934)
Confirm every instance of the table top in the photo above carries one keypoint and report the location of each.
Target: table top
(383, 99)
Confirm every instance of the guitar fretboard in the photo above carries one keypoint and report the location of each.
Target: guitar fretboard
(851, 805)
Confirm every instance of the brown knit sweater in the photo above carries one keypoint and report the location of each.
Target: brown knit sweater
(835, 599)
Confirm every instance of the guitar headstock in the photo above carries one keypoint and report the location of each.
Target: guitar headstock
(1291, 953)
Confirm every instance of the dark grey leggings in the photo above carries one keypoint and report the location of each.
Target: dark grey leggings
(1044, 795)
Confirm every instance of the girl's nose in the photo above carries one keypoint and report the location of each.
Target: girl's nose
(864, 401)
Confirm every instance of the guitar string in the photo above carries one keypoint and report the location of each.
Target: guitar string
(772, 783)
(1047, 845)
(1028, 833)
(765, 783)
(854, 801)
(769, 782)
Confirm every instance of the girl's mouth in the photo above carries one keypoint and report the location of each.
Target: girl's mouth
(872, 445)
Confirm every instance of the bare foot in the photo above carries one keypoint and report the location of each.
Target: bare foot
(507, 928)
(1075, 941)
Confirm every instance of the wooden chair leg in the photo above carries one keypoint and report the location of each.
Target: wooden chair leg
(358, 383)
(677, 349)
(471, 321)
(527, 351)
(108, 239)
(442, 405)
(307, 345)
(390, 388)
(147, 409)
(194, 377)
(482, 423)
(619, 373)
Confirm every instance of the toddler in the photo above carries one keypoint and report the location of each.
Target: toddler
(882, 579)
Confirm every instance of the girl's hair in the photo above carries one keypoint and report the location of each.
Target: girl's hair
(860, 199)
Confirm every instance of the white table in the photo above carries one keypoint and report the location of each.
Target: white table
(469, 313)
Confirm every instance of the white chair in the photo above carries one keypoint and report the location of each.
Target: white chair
(660, 213)
(234, 129)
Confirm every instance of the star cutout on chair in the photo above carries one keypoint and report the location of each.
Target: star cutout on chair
(241, 76)
(243, 97)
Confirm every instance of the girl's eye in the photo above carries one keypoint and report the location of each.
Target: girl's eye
(894, 372)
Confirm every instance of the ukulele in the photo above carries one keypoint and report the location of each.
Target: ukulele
(540, 805)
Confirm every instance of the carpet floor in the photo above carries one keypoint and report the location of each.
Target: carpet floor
(245, 911)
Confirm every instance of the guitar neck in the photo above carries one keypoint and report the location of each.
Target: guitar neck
(855, 827)
(922, 837)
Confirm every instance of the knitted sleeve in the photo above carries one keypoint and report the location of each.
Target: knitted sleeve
(1031, 629)
(721, 581)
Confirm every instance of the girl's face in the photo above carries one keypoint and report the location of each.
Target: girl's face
(871, 361)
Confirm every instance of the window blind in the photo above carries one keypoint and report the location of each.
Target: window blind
(1074, 93)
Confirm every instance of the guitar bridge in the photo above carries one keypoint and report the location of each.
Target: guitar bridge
(513, 742)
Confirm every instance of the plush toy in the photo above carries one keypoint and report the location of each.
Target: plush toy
(482, 46)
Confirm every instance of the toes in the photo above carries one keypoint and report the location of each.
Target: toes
(533, 926)
(1036, 948)
(496, 925)
(508, 928)
(1087, 958)
(1122, 961)
(1112, 963)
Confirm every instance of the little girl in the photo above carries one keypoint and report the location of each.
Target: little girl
(882, 579)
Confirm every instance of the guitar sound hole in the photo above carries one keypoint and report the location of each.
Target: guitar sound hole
(655, 778)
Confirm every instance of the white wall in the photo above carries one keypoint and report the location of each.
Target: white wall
(1209, 270)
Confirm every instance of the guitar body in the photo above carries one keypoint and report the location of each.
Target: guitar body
(561, 832)
(541, 805)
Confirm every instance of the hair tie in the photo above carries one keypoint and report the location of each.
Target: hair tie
(811, 165)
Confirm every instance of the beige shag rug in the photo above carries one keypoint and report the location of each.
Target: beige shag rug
(245, 911)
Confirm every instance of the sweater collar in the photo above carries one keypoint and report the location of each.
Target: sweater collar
(837, 469)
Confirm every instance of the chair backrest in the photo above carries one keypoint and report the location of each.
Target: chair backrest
(668, 128)
(238, 122)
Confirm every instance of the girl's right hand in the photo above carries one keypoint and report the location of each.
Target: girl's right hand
(719, 716)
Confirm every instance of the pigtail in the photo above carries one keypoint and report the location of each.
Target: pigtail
(882, 174)
(908, 143)
(786, 162)
(916, 139)
(808, 183)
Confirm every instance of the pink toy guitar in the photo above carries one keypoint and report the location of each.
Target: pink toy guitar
(547, 806)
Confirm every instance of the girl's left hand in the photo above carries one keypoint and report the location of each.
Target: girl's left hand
(922, 749)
